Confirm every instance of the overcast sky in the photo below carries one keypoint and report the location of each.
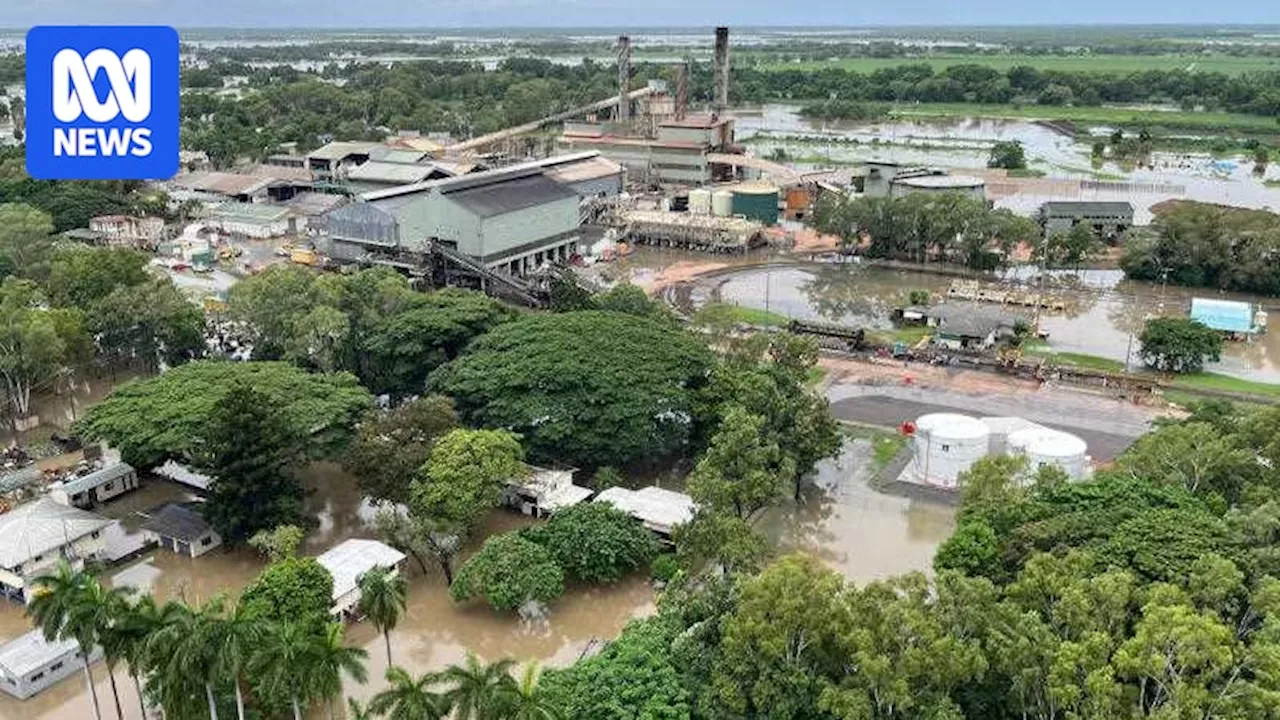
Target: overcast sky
(609, 13)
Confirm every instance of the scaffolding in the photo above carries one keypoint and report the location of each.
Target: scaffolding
(703, 233)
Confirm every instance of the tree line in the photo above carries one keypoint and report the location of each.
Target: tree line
(1204, 245)
(1147, 591)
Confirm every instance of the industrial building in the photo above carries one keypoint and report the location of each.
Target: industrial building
(677, 156)
(944, 446)
(936, 183)
(335, 160)
(255, 220)
(512, 219)
(1108, 219)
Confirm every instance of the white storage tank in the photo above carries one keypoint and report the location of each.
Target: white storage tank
(700, 201)
(722, 203)
(1046, 446)
(946, 445)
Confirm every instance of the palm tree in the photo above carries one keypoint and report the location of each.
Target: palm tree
(383, 596)
(104, 611)
(524, 700)
(356, 711)
(331, 658)
(238, 636)
(140, 620)
(185, 650)
(409, 698)
(57, 609)
(285, 662)
(477, 688)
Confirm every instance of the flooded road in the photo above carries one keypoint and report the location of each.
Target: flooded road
(1103, 308)
(964, 145)
(855, 530)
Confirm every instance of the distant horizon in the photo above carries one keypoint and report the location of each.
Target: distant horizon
(402, 28)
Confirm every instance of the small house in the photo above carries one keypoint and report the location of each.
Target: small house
(658, 509)
(350, 559)
(970, 326)
(29, 663)
(97, 487)
(39, 534)
(543, 492)
(182, 530)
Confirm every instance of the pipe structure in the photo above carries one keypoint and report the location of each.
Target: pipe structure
(624, 77)
(722, 70)
(682, 91)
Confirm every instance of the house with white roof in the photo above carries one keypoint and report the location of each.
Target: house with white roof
(97, 487)
(34, 537)
(350, 559)
(658, 509)
(543, 492)
(29, 663)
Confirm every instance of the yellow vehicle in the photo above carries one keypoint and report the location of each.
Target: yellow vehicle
(304, 256)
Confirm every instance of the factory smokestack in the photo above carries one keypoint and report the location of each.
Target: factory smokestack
(682, 91)
(722, 70)
(624, 77)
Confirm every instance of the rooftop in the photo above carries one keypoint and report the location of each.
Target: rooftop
(660, 510)
(249, 212)
(222, 183)
(403, 155)
(1074, 208)
(581, 171)
(487, 177)
(92, 480)
(178, 522)
(971, 319)
(494, 199)
(704, 122)
(634, 142)
(19, 478)
(941, 181)
(27, 653)
(40, 526)
(350, 559)
(311, 204)
(553, 488)
(1224, 315)
(340, 149)
(390, 172)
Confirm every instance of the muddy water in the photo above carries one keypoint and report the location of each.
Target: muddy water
(1102, 308)
(965, 144)
(857, 531)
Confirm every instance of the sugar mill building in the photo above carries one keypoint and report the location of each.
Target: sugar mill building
(1108, 219)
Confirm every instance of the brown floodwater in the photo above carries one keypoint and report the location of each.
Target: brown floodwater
(855, 530)
(1102, 308)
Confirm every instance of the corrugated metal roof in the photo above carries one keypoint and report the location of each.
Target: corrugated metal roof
(249, 212)
(1223, 315)
(315, 203)
(222, 183)
(350, 559)
(40, 526)
(27, 653)
(178, 522)
(98, 477)
(383, 153)
(505, 197)
(390, 172)
(340, 149)
(583, 170)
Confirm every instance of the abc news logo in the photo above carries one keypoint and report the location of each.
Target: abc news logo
(74, 96)
(102, 102)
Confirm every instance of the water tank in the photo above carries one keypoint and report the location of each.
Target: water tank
(756, 201)
(722, 203)
(946, 445)
(1045, 446)
(700, 202)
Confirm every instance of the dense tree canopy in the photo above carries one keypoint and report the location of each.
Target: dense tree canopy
(595, 542)
(37, 343)
(160, 418)
(509, 571)
(925, 227)
(1179, 345)
(296, 589)
(1210, 246)
(392, 446)
(583, 388)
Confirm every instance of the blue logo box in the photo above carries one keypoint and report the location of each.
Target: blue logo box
(102, 102)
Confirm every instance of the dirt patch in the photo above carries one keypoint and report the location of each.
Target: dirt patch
(875, 371)
(677, 272)
(809, 240)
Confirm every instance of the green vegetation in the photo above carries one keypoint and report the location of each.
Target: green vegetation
(1205, 245)
(1216, 381)
(595, 542)
(885, 444)
(1078, 359)
(1122, 116)
(925, 227)
(1226, 64)
(1009, 155)
(1178, 345)
(720, 313)
(509, 571)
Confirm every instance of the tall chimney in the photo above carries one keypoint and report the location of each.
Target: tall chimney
(722, 70)
(682, 90)
(624, 77)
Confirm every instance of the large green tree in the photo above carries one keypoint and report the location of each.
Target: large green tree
(80, 276)
(298, 589)
(151, 323)
(582, 388)
(741, 473)
(509, 571)
(37, 343)
(595, 542)
(1179, 345)
(161, 418)
(392, 446)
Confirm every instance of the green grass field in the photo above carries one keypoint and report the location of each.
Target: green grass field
(1214, 381)
(885, 444)
(726, 312)
(1067, 63)
(1103, 115)
(1092, 362)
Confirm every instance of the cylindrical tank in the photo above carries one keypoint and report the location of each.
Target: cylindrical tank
(946, 445)
(756, 201)
(700, 201)
(722, 203)
(1045, 446)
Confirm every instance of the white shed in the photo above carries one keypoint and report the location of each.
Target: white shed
(29, 663)
(1046, 446)
(350, 559)
(660, 510)
(946, 445)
